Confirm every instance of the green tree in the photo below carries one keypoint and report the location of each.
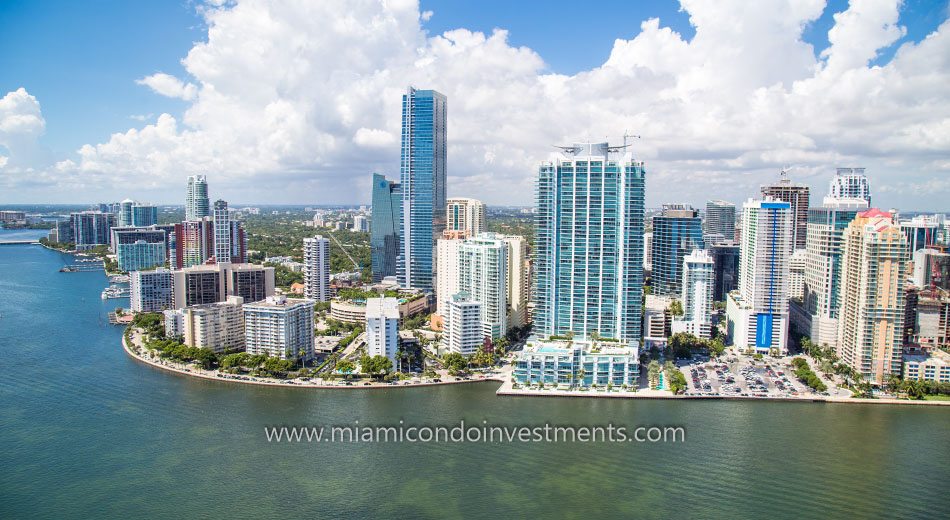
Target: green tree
(377, 366)
(653, 374)
(455, 363)
(676, 308)
(346, 367)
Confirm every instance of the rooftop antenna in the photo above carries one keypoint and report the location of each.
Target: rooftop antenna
(625, 145)
(626, 135)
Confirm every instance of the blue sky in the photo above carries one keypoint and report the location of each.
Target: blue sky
(80, 61)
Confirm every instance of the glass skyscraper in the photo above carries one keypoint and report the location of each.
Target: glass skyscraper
(589, 244)
(824, 247)
(384, 229)
(676, 233)
(197, 204)
(222, 232)
(422, 180)
(720, 223)
(144, 215)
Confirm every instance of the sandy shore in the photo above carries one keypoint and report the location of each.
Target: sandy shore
(191, 371)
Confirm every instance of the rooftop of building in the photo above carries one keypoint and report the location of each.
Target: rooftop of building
(766, 202)
(231, 300)
(874, 212)
(280, 302)
(383, 307)
(844, 203)
(563, 345)
(935, 356)
(224, 265)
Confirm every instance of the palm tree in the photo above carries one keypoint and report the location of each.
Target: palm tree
(893, 383)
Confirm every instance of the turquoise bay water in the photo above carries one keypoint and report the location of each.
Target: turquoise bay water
(89, 433)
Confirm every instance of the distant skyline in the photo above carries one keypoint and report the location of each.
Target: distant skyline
(300, 104)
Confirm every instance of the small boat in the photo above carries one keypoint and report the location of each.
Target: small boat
(114, 291)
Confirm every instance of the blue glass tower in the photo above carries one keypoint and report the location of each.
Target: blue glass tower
(422, 180)
(589, 244)
(676, 232)
(144, 215)
(384, 230)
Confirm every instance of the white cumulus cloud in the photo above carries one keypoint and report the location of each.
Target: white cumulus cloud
(300, 102)
(169, 86)
(20, 116)
(21, 125)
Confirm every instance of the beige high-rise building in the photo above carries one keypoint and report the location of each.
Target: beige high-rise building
(796, 274)
(463, 214)
(519, 280)
(447, 260)
(217, 326)
(871, 322)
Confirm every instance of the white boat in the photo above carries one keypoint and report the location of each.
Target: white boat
(114, 291)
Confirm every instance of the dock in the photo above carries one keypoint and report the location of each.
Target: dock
(79, 268)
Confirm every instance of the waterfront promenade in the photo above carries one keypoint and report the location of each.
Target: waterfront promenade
(137, 352)
(507, 389)
(503, 376)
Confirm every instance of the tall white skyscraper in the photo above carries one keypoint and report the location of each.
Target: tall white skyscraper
(699, 277)
(382, 327)
(850, 183)
(197, 204)
(222, 232)
(483, 275)
(316, 274)
(463, 214)
(758, 311)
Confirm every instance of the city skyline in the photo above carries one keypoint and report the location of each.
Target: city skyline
(388, 258)
(870, 55)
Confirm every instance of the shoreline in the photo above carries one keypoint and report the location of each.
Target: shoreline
(506, 389)
(305, 384)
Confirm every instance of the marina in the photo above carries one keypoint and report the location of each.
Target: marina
(115, 291)
(78, 268)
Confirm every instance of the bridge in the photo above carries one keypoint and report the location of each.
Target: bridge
(15, 242)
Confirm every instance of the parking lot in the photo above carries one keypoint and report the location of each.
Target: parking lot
(733, 376)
